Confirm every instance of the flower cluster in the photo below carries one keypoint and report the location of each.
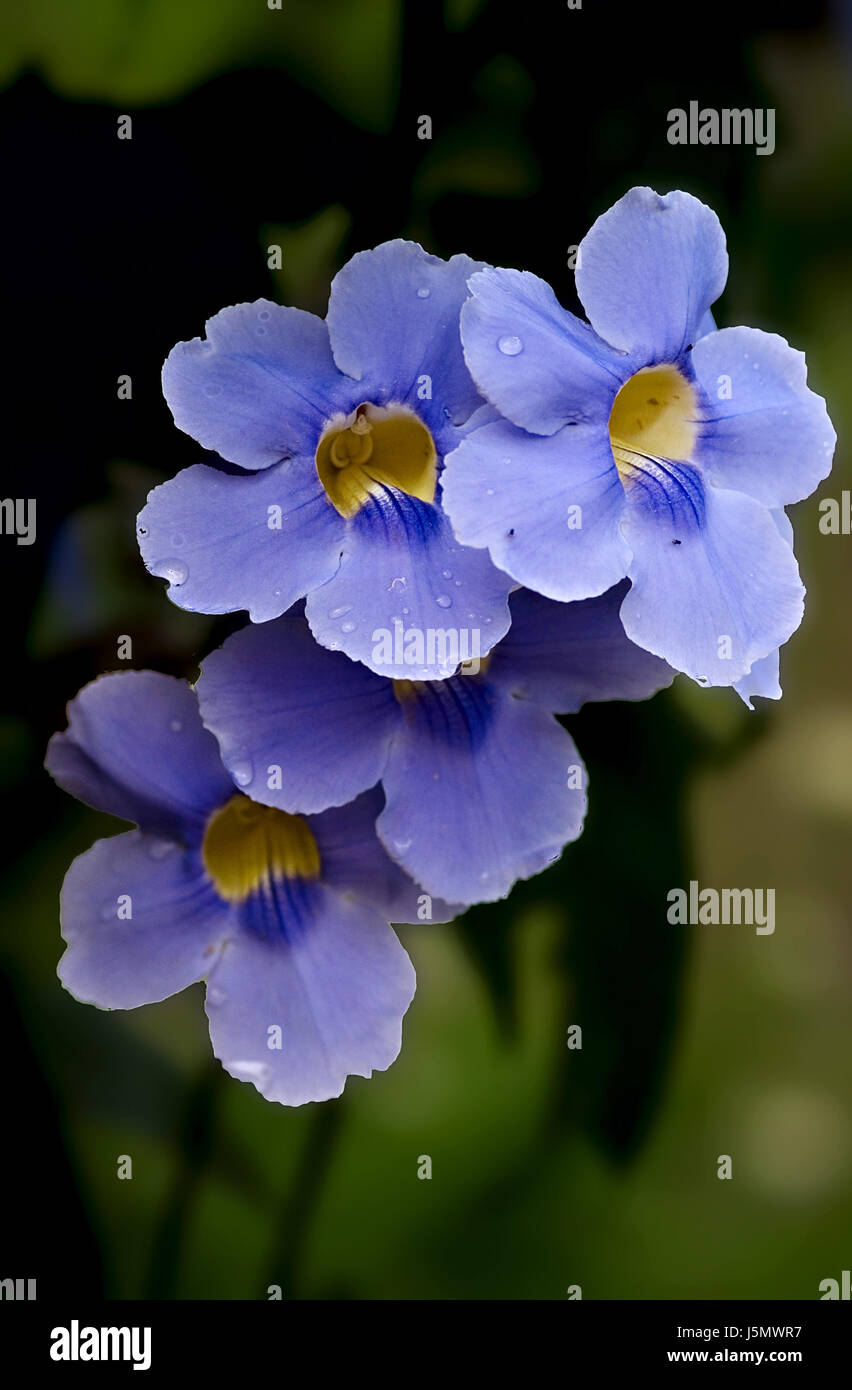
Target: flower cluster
(453, 511)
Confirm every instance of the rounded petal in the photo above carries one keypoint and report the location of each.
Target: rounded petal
(478, 786)
(648, 271)
(715, 587)
(135, 747)
(354, 861)
(547, 509)
(319, 998)
(299, 727)
(393, 320)
(562, 655)
(170, 940)
(405, 585)
(767, 434)
(255, 541)
(539, 365)
(259, 387)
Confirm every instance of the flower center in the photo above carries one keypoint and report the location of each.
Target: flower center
(654, 416)
(246, 845)
(376, 447)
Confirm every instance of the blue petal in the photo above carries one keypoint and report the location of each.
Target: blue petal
(561, 655)
(764, 676)
(172, 938)
(403, 572)
(284, 708)
(540, 366)
(763, 679)
(259, 387)
(255, 541)
(547, 509)
(479, 790)
(648, 271)
(354, 861)
(767, 434)
(714, 585)
(330, 975)
(393, 320)
(136, 748)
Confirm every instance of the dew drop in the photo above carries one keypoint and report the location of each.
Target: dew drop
(160, 849)
(402, 845)
(510, 345)
(398, 585)
(489, 492)
(264, 315)
(340, 612)
(444, 601)
(242, 772)
(215, 995)
(423, 293)
(405, 612)
(446, 574)
(457, 583)
(175, 571)
(249, 1071)
(348, 627)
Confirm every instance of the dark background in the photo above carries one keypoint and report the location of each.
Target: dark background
(254, 127)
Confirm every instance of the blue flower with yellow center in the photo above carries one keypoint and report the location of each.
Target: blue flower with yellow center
(339, 429)
(643, 443)
(286, 917)
(481, 784)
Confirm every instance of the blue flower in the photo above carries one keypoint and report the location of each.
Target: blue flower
(286, 917)
(482, 785)
(339, 429)
(644, 443)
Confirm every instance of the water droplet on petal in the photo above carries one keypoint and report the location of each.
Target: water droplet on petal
(348, 627)
(397, 585)
(175, 571)
(340, 612)
(402, 845)
(159, 849)
(510, 345)
(447, 574)
(423, 293)
(264, 314)
(242, 772)
(444, 601)
(405, 612)
(249, 1071)
(215, 995)
(489, 492)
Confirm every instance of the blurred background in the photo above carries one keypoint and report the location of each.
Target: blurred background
(551, 1167)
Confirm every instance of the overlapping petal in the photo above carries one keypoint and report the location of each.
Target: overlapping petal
(563, 655)
(542, 367)
(299, 727)
(402, 569)
(478, 786)
(548, 510)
